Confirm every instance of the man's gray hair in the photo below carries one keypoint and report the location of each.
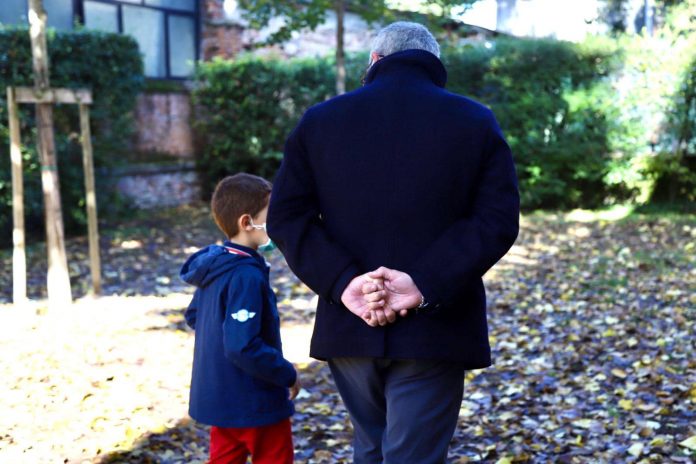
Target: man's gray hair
(403, 35)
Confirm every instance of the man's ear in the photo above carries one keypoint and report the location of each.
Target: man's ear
(374, 57)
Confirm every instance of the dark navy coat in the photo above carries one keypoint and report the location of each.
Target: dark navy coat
(240, 378)
(404, 174)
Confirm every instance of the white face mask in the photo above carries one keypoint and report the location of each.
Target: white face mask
(269, 245)
(258, 227)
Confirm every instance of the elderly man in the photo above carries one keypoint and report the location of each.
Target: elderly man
(417, 185)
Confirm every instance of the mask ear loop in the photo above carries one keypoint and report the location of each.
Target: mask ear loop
(258, 227)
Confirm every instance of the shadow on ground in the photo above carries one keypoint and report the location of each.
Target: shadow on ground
(321, 430)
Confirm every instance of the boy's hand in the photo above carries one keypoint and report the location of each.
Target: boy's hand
(295, 389)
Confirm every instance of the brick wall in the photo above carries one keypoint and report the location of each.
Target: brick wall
(164, 124)
(219, 36)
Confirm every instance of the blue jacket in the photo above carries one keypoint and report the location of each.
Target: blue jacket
(240, 378)
(405, 174)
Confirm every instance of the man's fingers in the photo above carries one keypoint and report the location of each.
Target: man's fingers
(377, 305)
(390, 315)
(369, 287)
(403, 313)
(370, 318)
(381, 318)
(380, 273)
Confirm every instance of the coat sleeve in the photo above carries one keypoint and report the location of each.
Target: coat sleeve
(192, 310)
(295, 225)
(473, 244)
(242, 333)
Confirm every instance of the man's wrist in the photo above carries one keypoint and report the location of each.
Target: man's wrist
(423, 304)
(423, 283)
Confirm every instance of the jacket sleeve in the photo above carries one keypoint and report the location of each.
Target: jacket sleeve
(295, 225)
(473, 244)
(191, 311)
(242, 337)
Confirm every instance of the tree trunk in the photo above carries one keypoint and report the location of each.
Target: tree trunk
(648, 11)
(340, 52)
(58, 281)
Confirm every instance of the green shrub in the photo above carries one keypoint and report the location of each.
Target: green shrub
(112, 67)
(548, 96)
(550, 99)
(247, 108)
(674, 169)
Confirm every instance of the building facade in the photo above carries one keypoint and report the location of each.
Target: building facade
(167, 31)
(172, 36)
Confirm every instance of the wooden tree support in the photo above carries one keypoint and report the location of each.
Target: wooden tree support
(83, 98)
(19, 261)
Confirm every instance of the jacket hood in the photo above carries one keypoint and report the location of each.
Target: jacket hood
(406, 61)
(207, 264)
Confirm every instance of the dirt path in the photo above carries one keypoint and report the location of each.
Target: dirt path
(592, 326)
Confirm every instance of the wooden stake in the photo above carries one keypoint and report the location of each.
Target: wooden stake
(340, 52)
(19, 260)
(94, 262)
(59, 292)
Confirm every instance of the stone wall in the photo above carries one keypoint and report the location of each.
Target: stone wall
(158, 185)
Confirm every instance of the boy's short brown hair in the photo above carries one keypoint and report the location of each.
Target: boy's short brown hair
(237, 195)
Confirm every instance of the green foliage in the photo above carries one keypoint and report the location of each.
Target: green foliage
(111, 66)
(249, 106)
(675, 170)
(303, 15)
(656, 95)
(548, 96)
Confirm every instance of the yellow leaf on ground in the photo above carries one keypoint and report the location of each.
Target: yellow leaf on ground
(626, 404)
(636, 449)
(689, 443)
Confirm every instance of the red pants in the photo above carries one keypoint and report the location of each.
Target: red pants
(270, 444)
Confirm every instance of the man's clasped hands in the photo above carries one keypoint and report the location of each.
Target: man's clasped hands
(378, 297)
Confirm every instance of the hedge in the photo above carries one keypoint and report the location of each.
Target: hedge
(111, 66)
(549, 97)
(247, 107)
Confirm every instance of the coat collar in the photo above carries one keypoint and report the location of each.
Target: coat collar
(409, 63)
(244, 251)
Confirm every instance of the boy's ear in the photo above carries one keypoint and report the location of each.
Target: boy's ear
(244, 222)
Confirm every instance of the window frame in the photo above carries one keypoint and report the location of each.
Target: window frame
(79, 12)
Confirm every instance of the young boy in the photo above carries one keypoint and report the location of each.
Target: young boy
(240, 379)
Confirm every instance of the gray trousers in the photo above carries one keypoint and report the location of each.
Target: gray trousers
(403, 411)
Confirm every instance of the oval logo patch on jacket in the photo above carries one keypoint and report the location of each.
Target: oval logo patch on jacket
(242, 315)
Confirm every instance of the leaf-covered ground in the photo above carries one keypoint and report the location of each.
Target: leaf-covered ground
(592, 325)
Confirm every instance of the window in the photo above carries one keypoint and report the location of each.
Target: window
(60, 13)
(166, 30)
(184, 5)
(147, 26)
(181, 57)
(13, 12)
(101, 16)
